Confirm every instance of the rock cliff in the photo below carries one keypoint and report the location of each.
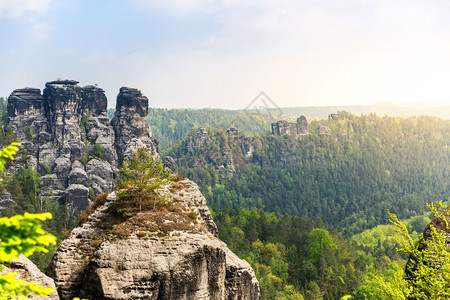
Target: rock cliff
(67, 136)
(169, 253)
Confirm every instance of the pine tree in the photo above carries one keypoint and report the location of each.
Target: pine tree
(141, 179)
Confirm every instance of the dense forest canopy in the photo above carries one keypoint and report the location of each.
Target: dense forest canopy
(348, 178)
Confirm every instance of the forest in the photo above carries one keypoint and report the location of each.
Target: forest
(348, 178)
(308, 212)
(172, 125)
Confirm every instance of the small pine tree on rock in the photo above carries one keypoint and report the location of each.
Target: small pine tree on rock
(141, 179)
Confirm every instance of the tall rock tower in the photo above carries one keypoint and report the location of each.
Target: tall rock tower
(67, 137)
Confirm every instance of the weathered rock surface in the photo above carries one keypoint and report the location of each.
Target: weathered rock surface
(169, 163)
(5, 201)
(283, 127)
(130, 124)
(65, 132)
(29, 272)
(162, 254)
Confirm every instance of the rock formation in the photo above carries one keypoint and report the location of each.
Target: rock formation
(67, 136)
(283, 127)
(325, 130)
(169, 163)
(130, 124)
(171, 253)
(302, 125)
(232, 130)
(335, 117)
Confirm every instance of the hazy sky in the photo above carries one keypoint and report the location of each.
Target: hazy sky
(222, 53)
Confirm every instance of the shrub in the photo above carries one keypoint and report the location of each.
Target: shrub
(98, 150)
(100, 200)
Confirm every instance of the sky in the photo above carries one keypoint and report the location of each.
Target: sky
(223, 53)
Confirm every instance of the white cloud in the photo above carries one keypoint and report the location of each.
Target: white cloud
(180, 7)
(17, 9)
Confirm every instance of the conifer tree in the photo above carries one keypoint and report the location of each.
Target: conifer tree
(140, 180)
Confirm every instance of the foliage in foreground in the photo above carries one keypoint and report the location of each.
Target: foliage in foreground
(21, 235)
(427, 274)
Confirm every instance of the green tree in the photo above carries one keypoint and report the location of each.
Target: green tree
(427, 274)
(141, 179)
(321, 244)
(20, 235)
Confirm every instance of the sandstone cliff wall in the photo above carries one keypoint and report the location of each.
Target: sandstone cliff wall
(67, 136)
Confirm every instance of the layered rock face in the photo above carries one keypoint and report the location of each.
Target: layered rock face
(177, 256)
(130, 124)
(67, 136)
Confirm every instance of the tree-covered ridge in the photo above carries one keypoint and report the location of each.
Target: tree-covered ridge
(348, 179)
(172, 125)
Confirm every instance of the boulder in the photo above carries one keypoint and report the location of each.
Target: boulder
(153, 255)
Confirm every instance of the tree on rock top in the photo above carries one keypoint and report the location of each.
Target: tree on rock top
(140, 181)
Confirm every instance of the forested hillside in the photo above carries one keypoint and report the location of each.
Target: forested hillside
(346, 172)
(172, 125)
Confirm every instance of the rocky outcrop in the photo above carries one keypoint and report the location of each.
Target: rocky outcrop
(130, 123)
(283, 127)
(169, 253)
(169, 163)
(67, 136)
(302, 125)
(232, 130)
(335, 117)
(28, 271)
(172, 252)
